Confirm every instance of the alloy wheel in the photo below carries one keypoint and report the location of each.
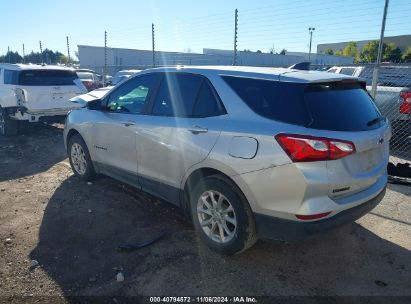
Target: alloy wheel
(78, 158)
(216, 216)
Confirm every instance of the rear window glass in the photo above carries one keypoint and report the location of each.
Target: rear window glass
(47, 77)
(335, 106)
(341, 107)
(84, 75)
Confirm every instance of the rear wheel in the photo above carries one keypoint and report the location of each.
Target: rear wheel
(79, 157)
(8, 126)
(221, 215)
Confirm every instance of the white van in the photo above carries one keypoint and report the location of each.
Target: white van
(35, 93)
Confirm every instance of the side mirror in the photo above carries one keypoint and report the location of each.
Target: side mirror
(94, 104)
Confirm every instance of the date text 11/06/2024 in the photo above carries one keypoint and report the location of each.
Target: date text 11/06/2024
(203, 300)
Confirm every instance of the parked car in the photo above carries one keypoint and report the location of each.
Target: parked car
(249, 152)
(123, 75)
(393, 95)
(35, 93)
(88, 79)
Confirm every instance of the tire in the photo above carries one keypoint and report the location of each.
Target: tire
(79, 157)
(8, 126)
(235, 238)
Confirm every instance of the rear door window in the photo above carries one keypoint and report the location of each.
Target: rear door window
(47, 77)
(208, 103)
(177, 95)
(335, 106)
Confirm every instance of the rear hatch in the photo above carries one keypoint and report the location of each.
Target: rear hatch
(334, 121)
(47, 89)
(345, 111)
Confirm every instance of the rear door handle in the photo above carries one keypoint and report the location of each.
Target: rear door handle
(128, 123)
(197, 129)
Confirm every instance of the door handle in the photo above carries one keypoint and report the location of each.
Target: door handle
(128, 123)
(197, 130)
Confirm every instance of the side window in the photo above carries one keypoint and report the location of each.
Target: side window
(10, 77)
(132, 96)
(332, 71)
(207, 103)
(177, 95)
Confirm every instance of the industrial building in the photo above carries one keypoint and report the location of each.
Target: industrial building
(119, 58)
(403, 42)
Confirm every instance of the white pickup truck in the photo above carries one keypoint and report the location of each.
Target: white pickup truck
(393, 96)
(35, 93)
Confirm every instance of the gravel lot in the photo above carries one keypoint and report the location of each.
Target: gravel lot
(72, 229)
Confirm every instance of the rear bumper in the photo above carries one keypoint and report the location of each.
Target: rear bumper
(293, 231)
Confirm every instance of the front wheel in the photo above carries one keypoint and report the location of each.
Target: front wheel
(222, 216)
(79, 157)
(8, 126)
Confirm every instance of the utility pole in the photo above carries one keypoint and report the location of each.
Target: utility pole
(8, 53)
(153, 44)
(310, 30)
(235, 36)
(24, 54)
(376, 71)
(68, 50)
(41, 53)
(105, 58)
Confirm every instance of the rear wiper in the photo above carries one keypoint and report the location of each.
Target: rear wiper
(376, 120)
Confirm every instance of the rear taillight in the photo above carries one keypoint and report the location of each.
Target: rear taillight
(88, 84)
(303, 148)
(405, 98)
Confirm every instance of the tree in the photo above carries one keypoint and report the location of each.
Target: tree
(272, 50)
(63, 59)
(329, 51)
(407, 55)
(49, 57)
(350, 50)
(392, 52)
(283, 52)
(258, 51)
(11, 57)
(370, 52)
(338, 53)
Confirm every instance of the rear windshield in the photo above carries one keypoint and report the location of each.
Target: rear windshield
(85, 75)
(335, 106)
(47, 77)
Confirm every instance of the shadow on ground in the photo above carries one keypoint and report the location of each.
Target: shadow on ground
(83, 224)
(39, 147)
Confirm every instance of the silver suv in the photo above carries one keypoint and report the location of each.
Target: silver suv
(248, 152)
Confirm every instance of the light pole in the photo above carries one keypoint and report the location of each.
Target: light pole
(310, 30)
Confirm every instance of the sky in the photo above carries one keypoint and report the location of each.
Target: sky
(188, 25)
